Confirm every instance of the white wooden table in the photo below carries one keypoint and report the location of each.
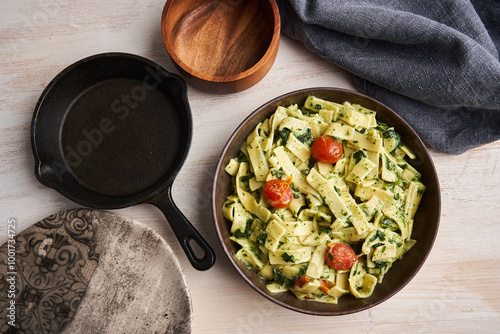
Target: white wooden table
(458, 288)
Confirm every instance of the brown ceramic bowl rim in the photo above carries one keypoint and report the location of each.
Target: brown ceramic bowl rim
(268, 55)
(265, 111)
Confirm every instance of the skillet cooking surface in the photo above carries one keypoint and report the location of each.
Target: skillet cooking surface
(139, 143)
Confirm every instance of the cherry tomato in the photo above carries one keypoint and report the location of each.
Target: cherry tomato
(324, 286)
(302, 280)
(340, 256)
(278, 193)
(326, 150)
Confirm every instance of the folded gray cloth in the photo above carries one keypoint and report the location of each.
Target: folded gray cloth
(435, 63)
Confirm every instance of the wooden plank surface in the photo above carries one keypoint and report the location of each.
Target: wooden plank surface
(458, 288)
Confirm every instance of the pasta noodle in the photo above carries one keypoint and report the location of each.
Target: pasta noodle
(367, 199)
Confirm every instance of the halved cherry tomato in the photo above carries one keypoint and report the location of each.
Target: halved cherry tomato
(278, 193)
(302, 280)
(326, 150)
(340, 256)
(324, 286)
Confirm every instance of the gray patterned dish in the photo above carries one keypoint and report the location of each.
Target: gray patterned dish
(92, 271)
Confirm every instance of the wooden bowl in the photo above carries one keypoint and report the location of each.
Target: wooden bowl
(426, 220)
(222, 46)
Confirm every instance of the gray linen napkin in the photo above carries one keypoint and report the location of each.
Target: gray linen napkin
(435, 63)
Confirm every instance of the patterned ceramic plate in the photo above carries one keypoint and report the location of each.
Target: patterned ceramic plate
(92, 271)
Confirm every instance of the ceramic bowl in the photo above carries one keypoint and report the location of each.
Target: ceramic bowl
(221, 46)
(426, 221)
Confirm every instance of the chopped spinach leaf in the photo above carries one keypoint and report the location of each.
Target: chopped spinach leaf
(278, 173)
(261, 239)
(280, 278)
(379, 264)
(382, 126)
(358, 155)
(306, 137)
(388, 224)
(283, 135)
(288, 258)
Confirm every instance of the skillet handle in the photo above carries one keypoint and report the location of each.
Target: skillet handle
(184, 231)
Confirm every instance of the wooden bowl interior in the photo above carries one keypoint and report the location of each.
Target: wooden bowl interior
(426, 221)
(218, 38)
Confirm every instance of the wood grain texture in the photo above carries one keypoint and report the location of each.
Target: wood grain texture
(456, 291)
(222, 46)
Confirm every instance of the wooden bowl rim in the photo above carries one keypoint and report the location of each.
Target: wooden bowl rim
(216, 210)
(268, 56)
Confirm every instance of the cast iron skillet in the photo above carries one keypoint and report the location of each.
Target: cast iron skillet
(113, 130)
